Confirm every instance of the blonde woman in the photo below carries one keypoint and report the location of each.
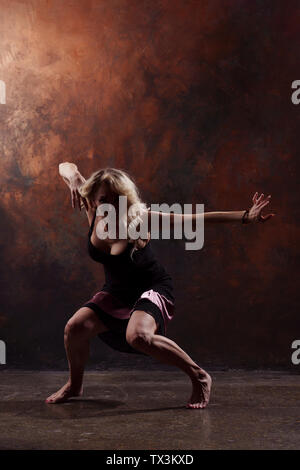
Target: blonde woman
(132, 310)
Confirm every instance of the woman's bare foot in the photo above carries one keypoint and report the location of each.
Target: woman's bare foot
(201, 390)
(64, 393)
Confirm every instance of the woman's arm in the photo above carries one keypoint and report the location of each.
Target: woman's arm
(211, 217)
(162, 218)
(73, 178)
(250, 215)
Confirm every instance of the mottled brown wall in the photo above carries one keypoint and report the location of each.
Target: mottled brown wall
(193, 98)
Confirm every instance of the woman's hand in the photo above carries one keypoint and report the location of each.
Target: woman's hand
(255, 212)
(74, 184)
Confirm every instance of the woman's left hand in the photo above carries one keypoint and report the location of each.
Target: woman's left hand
(258, 204)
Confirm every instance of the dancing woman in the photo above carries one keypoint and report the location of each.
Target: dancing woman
(132, 310)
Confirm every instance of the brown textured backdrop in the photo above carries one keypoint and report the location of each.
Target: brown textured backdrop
(193, 98)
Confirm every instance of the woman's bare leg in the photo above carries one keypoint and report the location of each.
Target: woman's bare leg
(141, 335)
(81, 327)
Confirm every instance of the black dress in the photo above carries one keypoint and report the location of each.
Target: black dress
(140, 283)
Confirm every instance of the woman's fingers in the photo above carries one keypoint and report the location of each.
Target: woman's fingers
(82, 202)
(78, 199)
(259, 199)
(92, 204)
(254, 197)
(76, 196)
(264, 218)
(73, 199)
(263, 203)
(85, 203)
(258, 204)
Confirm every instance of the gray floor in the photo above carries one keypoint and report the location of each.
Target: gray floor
(146, 410)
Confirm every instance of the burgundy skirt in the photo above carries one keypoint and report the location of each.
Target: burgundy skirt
(115, 315)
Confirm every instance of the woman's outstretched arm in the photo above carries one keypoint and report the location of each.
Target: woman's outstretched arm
(250, 215)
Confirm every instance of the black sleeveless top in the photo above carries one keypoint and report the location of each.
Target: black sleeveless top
(127, 278)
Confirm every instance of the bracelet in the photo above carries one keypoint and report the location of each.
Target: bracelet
(243, 218)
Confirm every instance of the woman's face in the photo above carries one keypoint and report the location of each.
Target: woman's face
(104, 195)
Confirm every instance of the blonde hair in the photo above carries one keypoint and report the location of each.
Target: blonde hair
(122, 184)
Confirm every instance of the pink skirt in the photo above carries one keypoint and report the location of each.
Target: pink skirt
(115, 315)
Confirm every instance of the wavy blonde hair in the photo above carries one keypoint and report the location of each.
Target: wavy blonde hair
(121, 184)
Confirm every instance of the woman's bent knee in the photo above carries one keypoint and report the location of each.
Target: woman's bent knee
(75, 328)
(84, 324)
(141, 328)
(139, 338)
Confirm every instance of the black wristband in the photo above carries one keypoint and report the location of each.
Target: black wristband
(243, 218)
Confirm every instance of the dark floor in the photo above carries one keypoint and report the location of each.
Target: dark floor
(146, 410)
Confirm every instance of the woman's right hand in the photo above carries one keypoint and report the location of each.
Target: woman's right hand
(75, 182)
(73, 178)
